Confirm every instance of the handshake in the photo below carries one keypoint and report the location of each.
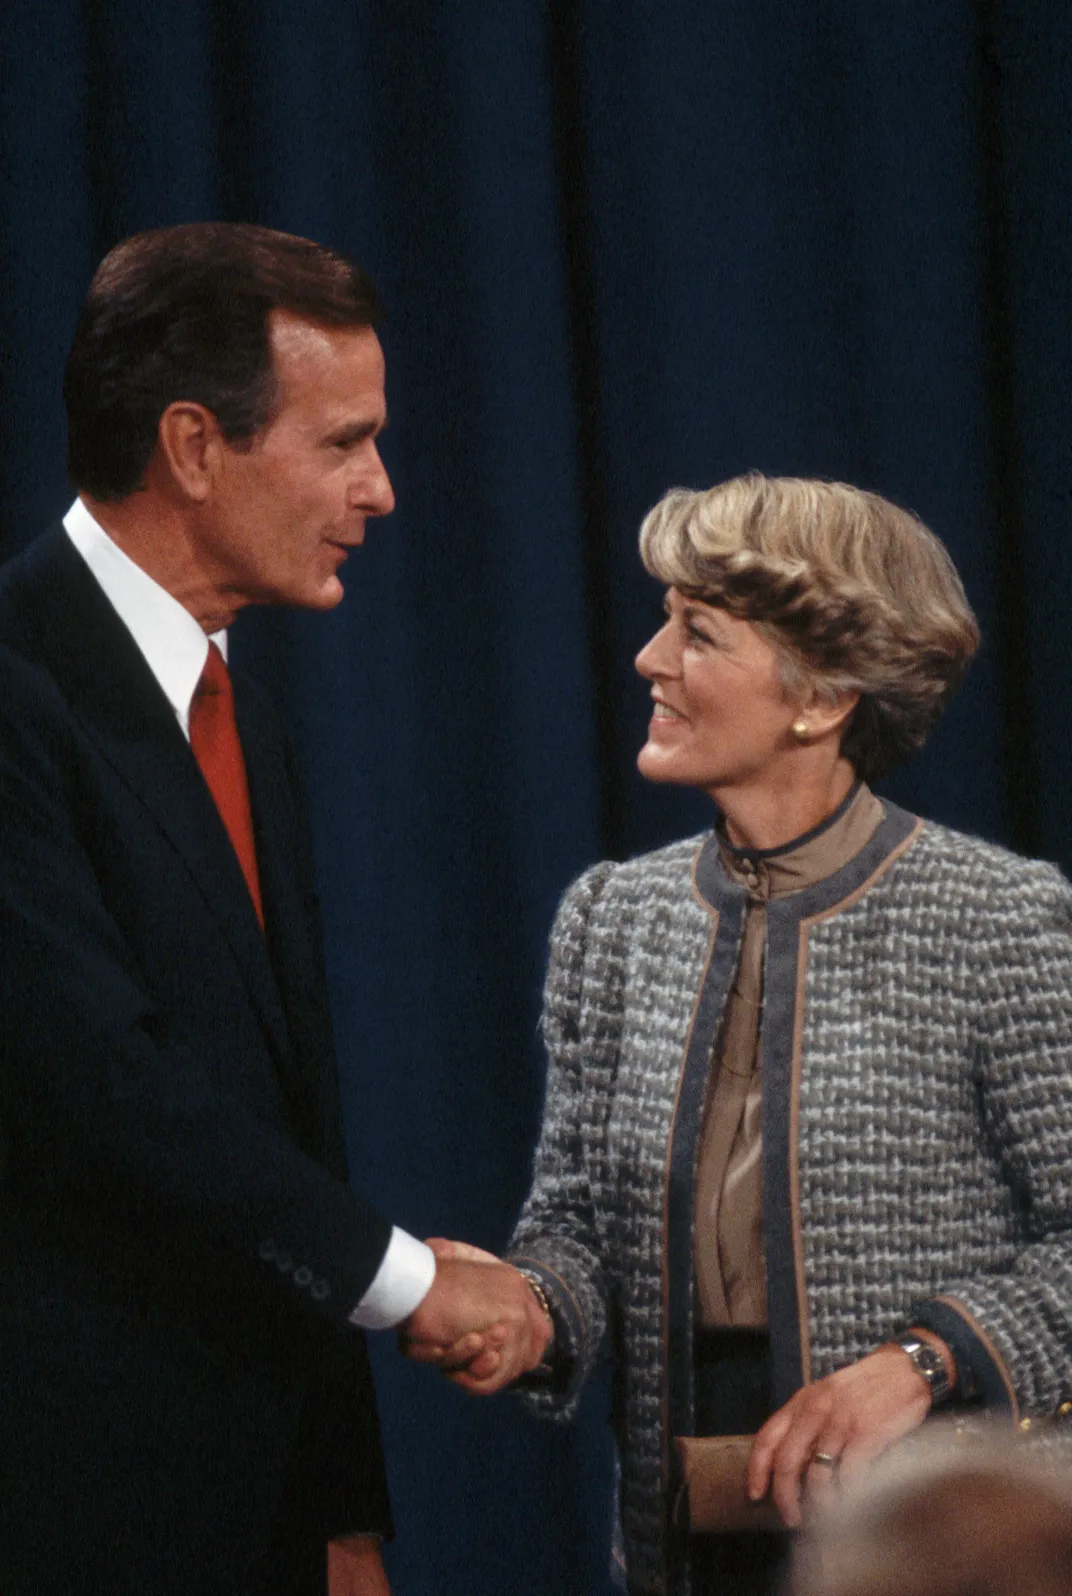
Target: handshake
(481, 1323)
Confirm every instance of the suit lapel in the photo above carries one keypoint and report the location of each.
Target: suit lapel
(115, 696)
(292, 926)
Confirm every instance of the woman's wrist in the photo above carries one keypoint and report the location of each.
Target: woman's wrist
(536, 1286)
(944, 1351)
(932, 1360)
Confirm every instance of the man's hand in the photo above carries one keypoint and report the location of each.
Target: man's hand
(835, 1427)
(355, 1567)
(480, 1322)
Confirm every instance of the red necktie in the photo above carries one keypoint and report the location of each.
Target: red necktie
(214, 740)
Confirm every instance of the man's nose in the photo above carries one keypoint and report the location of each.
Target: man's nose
(373, 491)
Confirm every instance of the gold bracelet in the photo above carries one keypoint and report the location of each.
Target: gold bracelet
(539, 1293)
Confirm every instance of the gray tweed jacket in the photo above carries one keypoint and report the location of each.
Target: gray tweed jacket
(917, 1136)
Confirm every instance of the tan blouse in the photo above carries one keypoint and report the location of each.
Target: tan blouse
(730, 1257)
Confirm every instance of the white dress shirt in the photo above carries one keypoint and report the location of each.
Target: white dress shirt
(175, 649)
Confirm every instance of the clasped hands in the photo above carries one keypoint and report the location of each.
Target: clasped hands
(480, 1322)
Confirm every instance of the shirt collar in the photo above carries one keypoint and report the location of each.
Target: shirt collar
(173, 644)
(776, 872)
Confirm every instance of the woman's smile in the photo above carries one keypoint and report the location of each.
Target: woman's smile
(663, 715)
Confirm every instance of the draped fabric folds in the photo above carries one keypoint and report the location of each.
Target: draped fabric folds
(622, 246)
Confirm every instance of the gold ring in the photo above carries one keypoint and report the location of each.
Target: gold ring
(825, 1459)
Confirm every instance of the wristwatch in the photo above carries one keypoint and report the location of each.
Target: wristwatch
(928, 1362)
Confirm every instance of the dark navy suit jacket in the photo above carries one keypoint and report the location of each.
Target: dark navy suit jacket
(183, 1404)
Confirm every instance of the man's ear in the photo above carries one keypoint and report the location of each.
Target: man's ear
(190, 444)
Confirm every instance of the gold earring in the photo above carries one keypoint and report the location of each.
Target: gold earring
(800, 731)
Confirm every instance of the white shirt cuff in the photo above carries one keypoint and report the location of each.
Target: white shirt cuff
(401, 1283)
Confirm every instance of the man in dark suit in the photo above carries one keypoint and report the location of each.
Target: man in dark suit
(185, 1398)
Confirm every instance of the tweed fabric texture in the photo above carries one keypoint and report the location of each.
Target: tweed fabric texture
(934, 1144)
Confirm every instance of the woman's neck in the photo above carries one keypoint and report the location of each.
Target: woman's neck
(773, 815)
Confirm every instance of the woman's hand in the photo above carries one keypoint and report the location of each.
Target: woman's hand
(850, 1418)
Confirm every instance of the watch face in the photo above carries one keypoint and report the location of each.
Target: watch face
(930, 1365)
(929, 1360)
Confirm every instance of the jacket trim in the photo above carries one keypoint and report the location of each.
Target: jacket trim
(678, 1185)
(781, 1060)
(796, 1067)
(972, 1349)
(865, 886)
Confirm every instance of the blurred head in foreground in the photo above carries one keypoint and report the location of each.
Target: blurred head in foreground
(944, 1519)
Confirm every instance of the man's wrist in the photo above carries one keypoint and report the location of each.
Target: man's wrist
(400, 1285)
(365, 1543)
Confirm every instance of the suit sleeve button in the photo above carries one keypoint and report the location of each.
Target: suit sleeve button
(319, 1290)
(266, 1251)
(303, 1276)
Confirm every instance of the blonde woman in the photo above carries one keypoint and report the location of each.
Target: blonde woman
(806, 1162)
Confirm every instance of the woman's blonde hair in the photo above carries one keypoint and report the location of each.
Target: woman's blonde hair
(854, 593)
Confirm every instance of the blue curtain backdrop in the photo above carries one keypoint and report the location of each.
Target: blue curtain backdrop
(623, 245)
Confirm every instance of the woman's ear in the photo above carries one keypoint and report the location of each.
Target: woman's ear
(819, 714)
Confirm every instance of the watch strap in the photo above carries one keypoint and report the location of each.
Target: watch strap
(929, 1363)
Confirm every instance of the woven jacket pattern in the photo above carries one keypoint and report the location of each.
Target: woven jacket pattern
(934, 1141)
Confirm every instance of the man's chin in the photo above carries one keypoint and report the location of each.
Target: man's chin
(326, 594)
(332, 593)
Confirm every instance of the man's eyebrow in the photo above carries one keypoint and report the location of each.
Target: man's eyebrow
(353, 431)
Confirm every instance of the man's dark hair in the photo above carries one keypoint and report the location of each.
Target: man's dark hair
(182, 313)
